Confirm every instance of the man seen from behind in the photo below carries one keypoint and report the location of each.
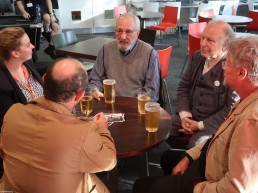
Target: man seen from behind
(45, 147)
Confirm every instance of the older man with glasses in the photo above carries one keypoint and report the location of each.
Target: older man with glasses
(228, 161)
(130, 61)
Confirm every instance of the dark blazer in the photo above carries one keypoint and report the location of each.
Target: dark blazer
(10, 92)
(213, 108)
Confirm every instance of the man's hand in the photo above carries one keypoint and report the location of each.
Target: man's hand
(189, 126)
(181, 166)
(100, 121)
(96, 94)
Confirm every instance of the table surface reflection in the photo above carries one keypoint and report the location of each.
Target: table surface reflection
(233, 19)
(130, 136)
(88, 49)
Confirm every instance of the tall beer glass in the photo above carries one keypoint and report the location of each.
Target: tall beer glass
(109, 90)
(86, 103)
(152, 116)
(143, 95)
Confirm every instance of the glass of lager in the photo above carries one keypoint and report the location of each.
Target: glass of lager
(143, 95)
(86, 103)
(152, 116)
(109, 90)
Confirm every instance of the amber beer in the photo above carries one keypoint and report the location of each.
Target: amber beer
(142, 100)
(143, 95)
(109, 90)
(86, 104)
(152, 116)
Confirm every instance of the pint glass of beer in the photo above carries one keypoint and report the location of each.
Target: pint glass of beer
(152, 116)
(86, 103)
(143, 95)
(109, 90)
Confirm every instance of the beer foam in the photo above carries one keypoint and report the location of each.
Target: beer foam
(109, 82)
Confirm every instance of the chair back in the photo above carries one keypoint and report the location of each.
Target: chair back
(194, 44)
(194, 36)
(119, 10)
(148, 36)
(63, 39)
(203, 6)
(230, 7)
(164, 59)
(170, 14)
(175, 4)
(150, 7)
(206, 12)
(204, 19)
(254, 25)
(216, 6)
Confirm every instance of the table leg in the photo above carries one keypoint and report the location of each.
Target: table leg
(147, 164)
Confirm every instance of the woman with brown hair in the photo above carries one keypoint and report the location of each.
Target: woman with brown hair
(20, 81)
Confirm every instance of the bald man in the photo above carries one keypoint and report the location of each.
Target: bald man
(45, 148)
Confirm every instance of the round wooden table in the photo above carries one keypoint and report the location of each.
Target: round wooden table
(130, 136)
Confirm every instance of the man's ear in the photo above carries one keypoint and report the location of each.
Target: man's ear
(137, 34)
(79, 95)
(242, 73)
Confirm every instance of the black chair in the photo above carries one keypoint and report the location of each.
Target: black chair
(67, 38)
(148, 36)
(64, 39)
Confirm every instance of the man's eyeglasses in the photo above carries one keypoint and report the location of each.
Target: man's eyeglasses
(127, 32)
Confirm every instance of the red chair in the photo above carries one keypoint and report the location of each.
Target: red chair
(164, 59)
(119, 10)
(169, 21)
(205, 15)
(204, 19)
(254, 25)
(194, 38)
(206, 12)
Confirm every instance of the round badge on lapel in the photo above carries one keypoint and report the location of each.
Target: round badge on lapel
(216, 83)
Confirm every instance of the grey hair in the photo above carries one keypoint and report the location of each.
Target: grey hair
(227, 32)
(243, 52)
(134, 17)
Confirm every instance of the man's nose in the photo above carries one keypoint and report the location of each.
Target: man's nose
(123, 35)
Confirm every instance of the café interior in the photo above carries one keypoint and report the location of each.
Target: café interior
(94, 20)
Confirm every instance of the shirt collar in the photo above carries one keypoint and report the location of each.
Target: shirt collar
(125, 53)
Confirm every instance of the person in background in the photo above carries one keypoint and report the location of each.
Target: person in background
(49, 20)
(47, 148)
(130, 61)
(20, 81)
(203, 102)
(228, 161)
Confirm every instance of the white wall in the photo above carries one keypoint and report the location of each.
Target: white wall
(89, 9)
